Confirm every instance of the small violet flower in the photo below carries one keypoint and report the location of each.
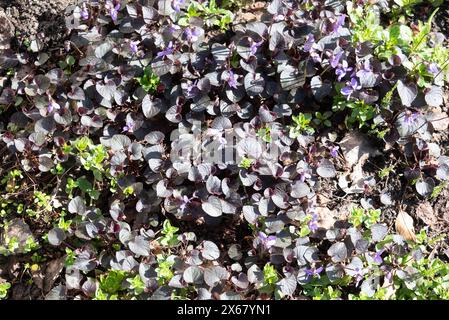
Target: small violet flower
(410, 117)
(113, 10)
(314, 272)
(232, 80)
(336, 27)
(267, 241)
(310, 41)
(342, 70)
(433, 68)
(52, 105)
(378, 256)
(313, 226)
(84, 12)
(254, 46)
(167, 51)
(350, 88)
(192, 34)
(304, 172)
(366, 71)
(334, 151)
(176, 4)
(129, 125)
(184, 202)
(315, 56)
(358, 276)
(335, 59)
(133, 46)
(192, 90)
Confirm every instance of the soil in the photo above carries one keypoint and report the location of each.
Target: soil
(31, 18)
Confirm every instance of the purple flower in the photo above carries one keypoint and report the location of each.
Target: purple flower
(304, 171)
(192, 90)
(173, 28)
(334, 151)
(433, 68)
(313, 226)
(129, 125)
(350, 88)
(232, 80)
(366, 71)
(378, 256)
(113, 10)
(176, 4)
(84, 12)
(254, 46)
(314, 272)
(184, 202)
(342, 70)
(167, 51)
(336, 27)
(358, 275)
(410, 117)
(133, 46)
(267, 241)
(310, 41)
(315, 56)
(335, 59)
(192, 34)
(52, 105)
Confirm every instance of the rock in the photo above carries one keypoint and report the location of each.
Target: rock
(16, 229)
(354, 145)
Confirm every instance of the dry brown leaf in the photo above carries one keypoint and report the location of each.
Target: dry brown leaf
(248, 16)
(326, 217)
(404, 226)
(354, 145)
(425, 212)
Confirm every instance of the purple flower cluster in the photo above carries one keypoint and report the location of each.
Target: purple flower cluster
(184, 202)
(351, 87)
(232, 80)
(314, 272)
(133, 46)
(266, 241)
(410, 118)
(254, 46)
(84, 12)
(113, 10)
(176, 4)
(169, 49)
(192, 34)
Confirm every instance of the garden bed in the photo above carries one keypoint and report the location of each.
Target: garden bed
(177, 149)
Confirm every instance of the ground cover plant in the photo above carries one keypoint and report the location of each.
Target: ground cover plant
(180, 149)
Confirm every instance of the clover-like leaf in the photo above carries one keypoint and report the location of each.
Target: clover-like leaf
(326, 169)
(338, 252)
(210, 250)
(56, 236)
(77, 205)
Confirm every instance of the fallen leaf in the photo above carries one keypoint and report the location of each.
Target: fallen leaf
(425, 212)
(52, 272)
(404, 226)
(326, 217)
(439, 119)
(356, 145)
